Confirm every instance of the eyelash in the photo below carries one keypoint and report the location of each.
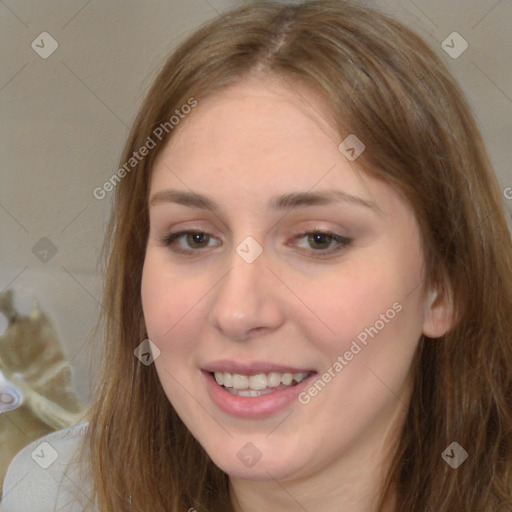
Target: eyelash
(342, 242)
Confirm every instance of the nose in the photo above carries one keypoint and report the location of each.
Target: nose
(245, 303)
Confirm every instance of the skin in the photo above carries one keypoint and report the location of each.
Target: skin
(240, 147)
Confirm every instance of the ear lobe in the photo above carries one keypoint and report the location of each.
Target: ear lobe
(439, 314)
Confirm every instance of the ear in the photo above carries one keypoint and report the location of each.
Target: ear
(439, 313)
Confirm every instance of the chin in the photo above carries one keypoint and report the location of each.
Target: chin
(250, 463)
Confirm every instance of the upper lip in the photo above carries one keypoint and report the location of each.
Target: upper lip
(253, 368)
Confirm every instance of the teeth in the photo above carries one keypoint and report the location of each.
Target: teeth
(240, 381)
(248, 392)
(258, 382)
(274, 379)
(286, 379)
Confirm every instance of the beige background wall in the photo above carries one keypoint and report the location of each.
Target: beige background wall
(64, 120)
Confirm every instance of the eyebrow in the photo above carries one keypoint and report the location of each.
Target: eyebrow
(282, 202)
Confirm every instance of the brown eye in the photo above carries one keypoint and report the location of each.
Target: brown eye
(187, 242)
(197, 239)
(320, 240)
(323, 243)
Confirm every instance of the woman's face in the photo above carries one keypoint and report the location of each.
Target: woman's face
(261, 300)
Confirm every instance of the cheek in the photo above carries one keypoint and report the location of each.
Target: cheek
(170, 304)
(171, 310)
(155, 300)
(372, 299)
(354, 300)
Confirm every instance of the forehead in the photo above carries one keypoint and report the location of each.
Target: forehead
(255, 139)
(256, 125)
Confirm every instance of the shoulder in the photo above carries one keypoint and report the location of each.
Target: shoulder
(47, 475)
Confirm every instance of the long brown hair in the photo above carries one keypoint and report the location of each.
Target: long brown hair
(384, 84)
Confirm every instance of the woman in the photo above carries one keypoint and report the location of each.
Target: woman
(307, 228)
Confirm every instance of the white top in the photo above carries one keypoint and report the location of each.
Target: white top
(44, 477)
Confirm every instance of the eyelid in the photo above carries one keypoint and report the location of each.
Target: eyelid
(341, 242)
(171, 237)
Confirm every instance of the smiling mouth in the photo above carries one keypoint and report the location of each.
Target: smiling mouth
(259, 384)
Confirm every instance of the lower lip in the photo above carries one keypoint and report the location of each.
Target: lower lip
(253, 407)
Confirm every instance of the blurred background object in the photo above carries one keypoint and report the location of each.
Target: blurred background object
(36, 389)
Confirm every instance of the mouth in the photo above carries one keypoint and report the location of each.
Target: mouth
(258, 384)
(257, 390)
